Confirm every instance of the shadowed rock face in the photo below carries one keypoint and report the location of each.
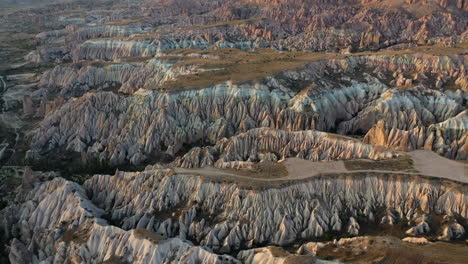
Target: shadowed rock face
(229, 104)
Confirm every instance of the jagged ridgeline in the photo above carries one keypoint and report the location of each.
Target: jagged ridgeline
(233, 131)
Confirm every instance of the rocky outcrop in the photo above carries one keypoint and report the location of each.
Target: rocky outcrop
(275, 255)
(451, 229)
(167, 121)
(422, 226)
(108, 99)
(80, 33)
(249, 147)
(46, 54)
(110, 49)
(79, 78)
(323, 25)
(404, 110)
(448, 138)
(287, 25)
(280, 215)
(59, 224)
(155, 211)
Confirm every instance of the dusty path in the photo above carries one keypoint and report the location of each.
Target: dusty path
(427, 163)
(431, 164)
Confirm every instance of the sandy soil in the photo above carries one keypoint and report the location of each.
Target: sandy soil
(300, 169)
(431, 164)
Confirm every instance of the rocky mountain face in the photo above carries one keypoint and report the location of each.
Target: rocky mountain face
(58, 219)
(102, 124)
(231, 131)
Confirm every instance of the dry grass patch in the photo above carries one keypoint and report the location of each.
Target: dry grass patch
(435, 50)
(404, 255)
(237, 65)
(434, 253)
(262, 170)
(124, 22)
(76, 235)
(391, 250)
(264, 174)
(220, 24)
(134, 59)
(142, 233)
(86, 63)
(278, 252)
(269, 169)
(405, 164)
(297, 259)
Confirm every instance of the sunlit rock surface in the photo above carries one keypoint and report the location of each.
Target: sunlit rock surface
(280, 131)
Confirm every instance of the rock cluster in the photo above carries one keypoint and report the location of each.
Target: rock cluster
(310, 145)
(59, 219)
(448, 138)
(169, 121)
(388, 77)
(280, 216)
(59, 224)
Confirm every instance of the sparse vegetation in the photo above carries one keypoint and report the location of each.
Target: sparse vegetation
(239, 66)
(391, 250)
(75, 235)
(142, 233)
(404, 255)
(134, 59)
(278, 252)
(236, 65)
(221, 24)
(401, 164)
(124, 22)
(295, 259)
(115, 260)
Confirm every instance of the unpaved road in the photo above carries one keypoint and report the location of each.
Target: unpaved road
(426, 162)
(431, 164)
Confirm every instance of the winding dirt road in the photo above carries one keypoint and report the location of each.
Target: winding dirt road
(426, 162)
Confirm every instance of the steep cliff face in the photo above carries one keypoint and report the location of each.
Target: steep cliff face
(404, 109)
